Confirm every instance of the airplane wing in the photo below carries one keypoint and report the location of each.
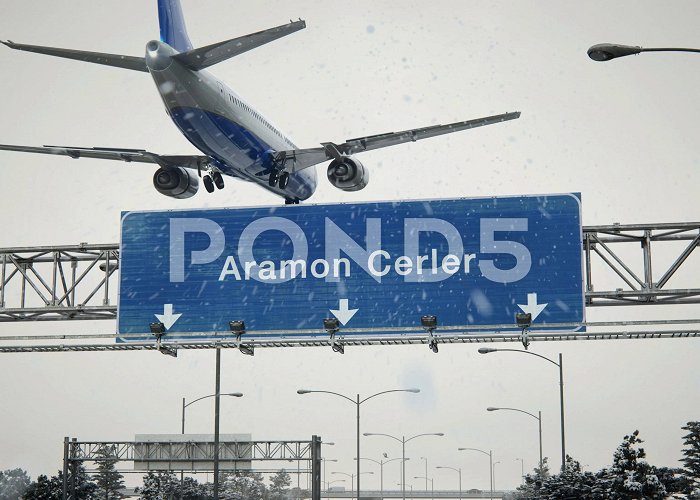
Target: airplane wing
(127, 155)
(298, 159)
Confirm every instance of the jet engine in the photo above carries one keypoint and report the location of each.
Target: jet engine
(176, 182)
(348, 174)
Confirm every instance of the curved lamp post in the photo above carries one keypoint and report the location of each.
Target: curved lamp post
(352, 478)
(216, 395)
(403, 442)
(560, 365)
(490, 455)
(432, 485)
(537, 417)
(522, 470)
(606, 51)
(381, 471)
(458, 471)
(233, 394)
(357, 402)
(494, 474)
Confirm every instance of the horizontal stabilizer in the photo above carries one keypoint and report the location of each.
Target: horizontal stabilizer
(204, 57)
(126, 62)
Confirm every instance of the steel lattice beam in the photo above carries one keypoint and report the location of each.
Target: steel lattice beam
(79, 282)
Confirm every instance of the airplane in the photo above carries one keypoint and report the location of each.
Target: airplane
(234, 138)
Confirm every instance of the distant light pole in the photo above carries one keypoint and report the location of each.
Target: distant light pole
(522, 469)
(324, 466)
(216, 419)
(537, 417)
(606, 51)
(459, 471)
(381, 470)
(352, 481)
(560, 365)
(490, 455)
(357, 402)
(233, 394)
(494, 474)
(403, 442)
(426, 473)
(432, 485)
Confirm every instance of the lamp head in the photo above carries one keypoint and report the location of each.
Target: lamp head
(234, 394)
(492, 408)
(413, 390)
(303, 391)
(428, 322)
(157, 328)
(523, 320)
(486, 350)
(606, 51)
(331, 324)
(237, 326)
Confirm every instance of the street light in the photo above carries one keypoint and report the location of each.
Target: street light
(233, 394)
(522, 470)
(432, 485)
(352, 478)
(606, 51)
(426, 473)
(381, 470)
(357, 402)
(216, 424)
(459, 471)
(494, 474)
(560, 365)
(403, 442)
(537, 417)
(490, 455)
(324, 465)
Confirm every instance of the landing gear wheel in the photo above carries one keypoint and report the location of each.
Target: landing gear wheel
(272, 180)
(208, 184)
(218, 180)
(284, 180)
(289, 201)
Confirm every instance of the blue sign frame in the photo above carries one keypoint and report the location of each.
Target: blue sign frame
(377, 265)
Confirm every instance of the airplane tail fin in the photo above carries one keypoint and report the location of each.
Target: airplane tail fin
(204, 57)
(172, 25)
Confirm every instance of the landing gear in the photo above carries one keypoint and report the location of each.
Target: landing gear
(289, 201)
(208, 183)
(274, 177)
(284, 180)
(218, 180)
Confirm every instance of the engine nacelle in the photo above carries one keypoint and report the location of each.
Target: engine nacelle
(348, 174)
(176, 182)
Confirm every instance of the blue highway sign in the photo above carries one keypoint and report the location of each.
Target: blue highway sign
(470, 262)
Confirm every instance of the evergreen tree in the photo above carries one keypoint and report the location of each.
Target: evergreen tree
(45, 488)
(630, 476)
(691, 459)
(109, 480)
(13, 483)
(242, 486)
(42, 489)
(159, 486)
(279, 484)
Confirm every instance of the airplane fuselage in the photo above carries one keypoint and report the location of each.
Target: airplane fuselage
(215, 119)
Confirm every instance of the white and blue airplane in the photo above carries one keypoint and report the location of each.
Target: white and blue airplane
(234, 139)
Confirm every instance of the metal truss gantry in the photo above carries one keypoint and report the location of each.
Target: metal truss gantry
(79, 282)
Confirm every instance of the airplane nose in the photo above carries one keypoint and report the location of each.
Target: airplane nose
(158, 55)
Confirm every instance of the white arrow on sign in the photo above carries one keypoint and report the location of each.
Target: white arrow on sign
(532, 306)
(343, 313)
(168, 318)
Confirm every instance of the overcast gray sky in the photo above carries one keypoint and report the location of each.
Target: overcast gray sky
(624, 134)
